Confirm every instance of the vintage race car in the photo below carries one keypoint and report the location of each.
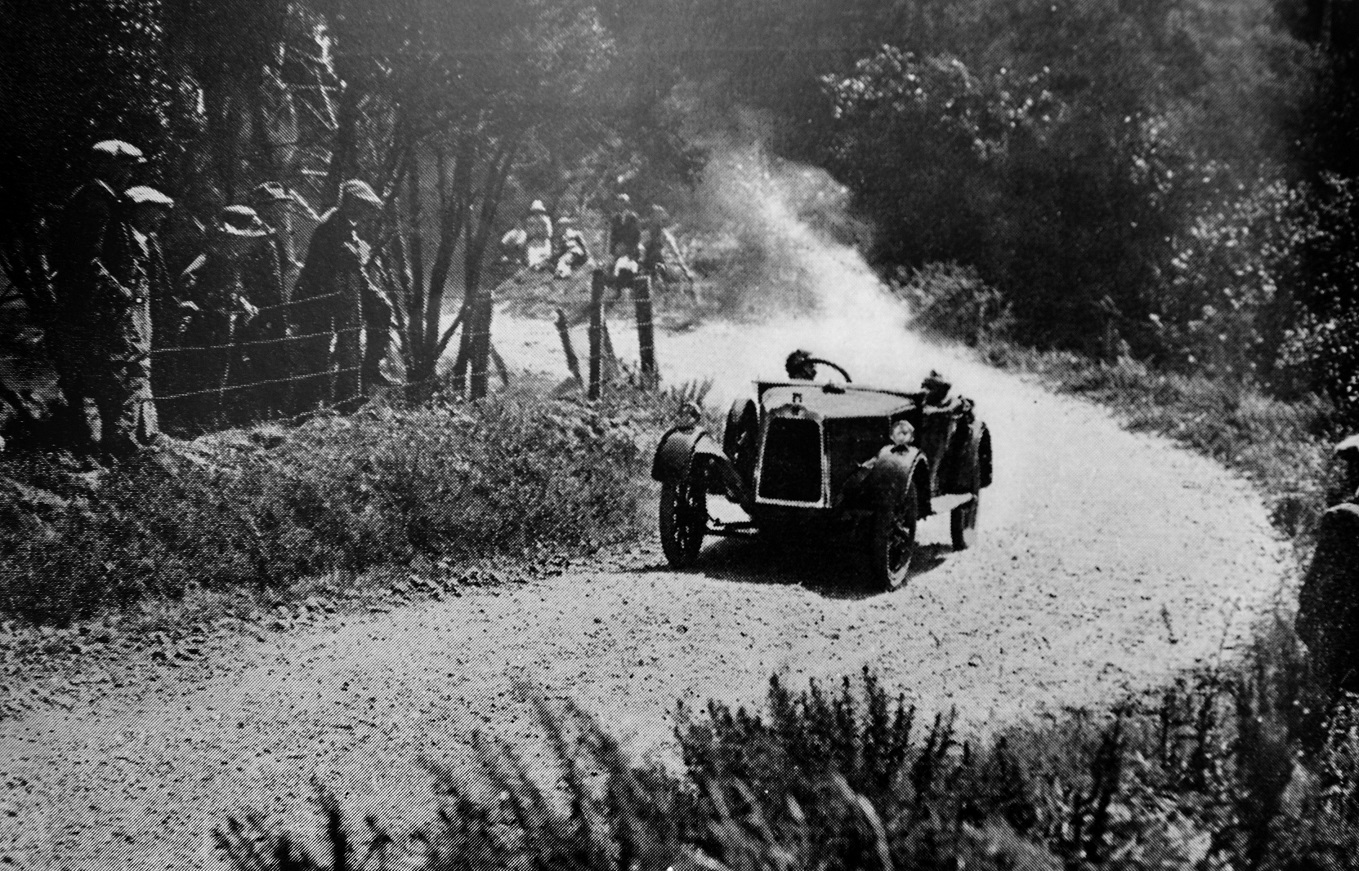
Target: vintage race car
(828, 457)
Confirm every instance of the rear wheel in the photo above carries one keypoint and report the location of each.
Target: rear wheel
(892, 540)
(963, 523)
(683, 520)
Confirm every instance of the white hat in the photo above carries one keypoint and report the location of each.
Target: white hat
(538, 207)
(354, 189)
(145, 195)
(242, 222)
(119, 149)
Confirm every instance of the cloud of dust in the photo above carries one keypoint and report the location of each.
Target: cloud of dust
(800, 284)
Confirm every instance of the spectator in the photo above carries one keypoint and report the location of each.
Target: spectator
(659, 241)
(215, 284)
(538, 237)
(570, 250)
(335, 297)
(88, 316)
(265, 356)
(625, 243)
(1328, 601)
(156, 320)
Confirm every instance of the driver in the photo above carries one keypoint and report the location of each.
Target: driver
(801, 366)
(936, 389)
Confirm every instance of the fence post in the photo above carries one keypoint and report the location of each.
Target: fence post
(596, 331)
(646, 336)
(564, 331)
(348, 336)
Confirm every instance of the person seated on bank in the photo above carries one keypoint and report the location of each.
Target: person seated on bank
(570, 250)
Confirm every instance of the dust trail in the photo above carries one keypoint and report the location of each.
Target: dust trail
(803, 288)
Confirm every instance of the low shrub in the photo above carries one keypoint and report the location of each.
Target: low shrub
(262, 509)
(1226, 767)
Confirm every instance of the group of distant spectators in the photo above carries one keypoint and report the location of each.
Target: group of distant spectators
(243, 328)
(536, 243)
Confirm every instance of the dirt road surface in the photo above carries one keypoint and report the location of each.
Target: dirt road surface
(1107, 560)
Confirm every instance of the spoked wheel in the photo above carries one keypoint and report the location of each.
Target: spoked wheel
(684, 520)
(892, 540)
(962, 523)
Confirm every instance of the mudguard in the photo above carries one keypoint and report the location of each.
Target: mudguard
(889, 474)
(678, 450)
(675, 454)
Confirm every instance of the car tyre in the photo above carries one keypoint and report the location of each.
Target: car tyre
(963, 523)
(683, 520)
(892, 540)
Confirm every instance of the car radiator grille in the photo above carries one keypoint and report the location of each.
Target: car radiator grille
(790, 468)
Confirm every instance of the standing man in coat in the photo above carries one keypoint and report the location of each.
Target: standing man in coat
(92, 331)
(148, 210)
(336, 299)
(1328, 601)
(215, 283)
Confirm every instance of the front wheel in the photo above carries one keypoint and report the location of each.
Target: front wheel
(684, 520)
(892, 540)
(963, 523)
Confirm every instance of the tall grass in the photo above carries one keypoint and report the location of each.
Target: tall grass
(260, 510)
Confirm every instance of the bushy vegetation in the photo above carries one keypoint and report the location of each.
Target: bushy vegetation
(1231, 767)
(262, 509)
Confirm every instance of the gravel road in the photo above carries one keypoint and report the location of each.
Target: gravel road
(1107, 560)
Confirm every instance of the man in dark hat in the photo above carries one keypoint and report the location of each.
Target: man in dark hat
(215, 283)
(335, 296)
(95, 293)
(625, 244)
(1328, 601)
(269, 270)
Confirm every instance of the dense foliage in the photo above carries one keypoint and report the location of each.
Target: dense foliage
(1163, 180)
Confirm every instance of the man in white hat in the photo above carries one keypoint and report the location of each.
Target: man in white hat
(147, 211)
(94, 259)
(336, 296)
